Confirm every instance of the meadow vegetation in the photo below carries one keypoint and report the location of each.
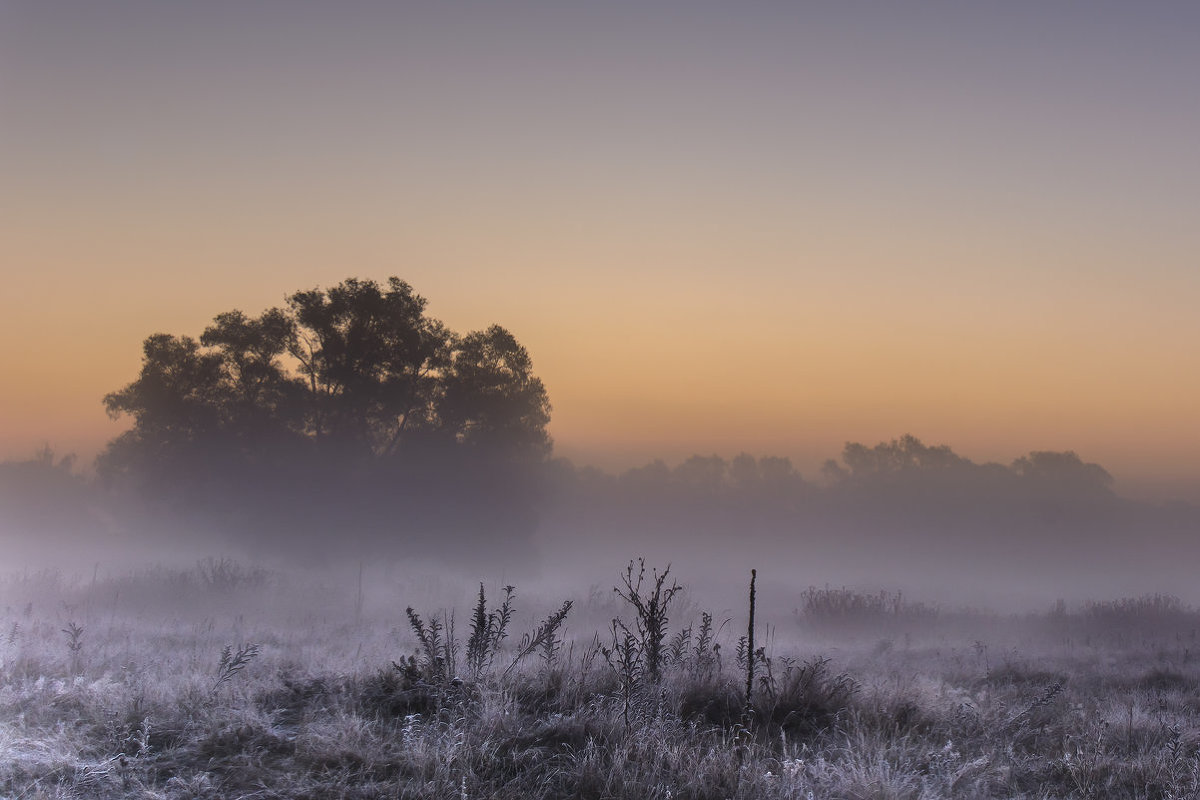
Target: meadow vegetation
(223, 680)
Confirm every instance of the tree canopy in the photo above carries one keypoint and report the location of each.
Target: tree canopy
(340, 389)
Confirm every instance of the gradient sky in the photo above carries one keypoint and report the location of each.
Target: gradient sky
(717, 227)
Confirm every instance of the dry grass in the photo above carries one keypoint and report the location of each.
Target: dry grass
(141, 704)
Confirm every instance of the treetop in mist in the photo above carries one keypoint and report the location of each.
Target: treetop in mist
(907, 458)
(903, 462)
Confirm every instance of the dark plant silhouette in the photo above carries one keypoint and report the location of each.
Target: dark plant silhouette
(335, 409)
(651, 604)
(232, 662)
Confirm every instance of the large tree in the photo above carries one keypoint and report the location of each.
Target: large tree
(371, 361)
(340, 392)
(490, 398)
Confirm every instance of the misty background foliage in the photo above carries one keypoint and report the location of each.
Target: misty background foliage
(348, 422)
(898, 513)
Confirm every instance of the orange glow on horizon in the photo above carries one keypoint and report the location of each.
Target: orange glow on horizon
(822, 229)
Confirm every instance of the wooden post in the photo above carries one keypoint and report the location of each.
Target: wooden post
(750, 642)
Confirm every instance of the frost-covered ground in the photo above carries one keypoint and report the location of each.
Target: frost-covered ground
(226, 681)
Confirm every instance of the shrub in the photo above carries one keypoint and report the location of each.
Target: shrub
(650, 604)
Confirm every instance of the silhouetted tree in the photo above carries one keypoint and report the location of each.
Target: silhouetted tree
(1063, 473)
(258, 395)
(704, 475)
(769, 476)
(341, 408)
(490, 397)
(177, 404)
(371, 360)
(898, 455)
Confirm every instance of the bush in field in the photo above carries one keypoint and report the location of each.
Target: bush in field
(74, 634)
(845, 609)
(650, 602)
(488, 632)
(227, 575)
(1156, 611)
(802, 698)
(439, 647)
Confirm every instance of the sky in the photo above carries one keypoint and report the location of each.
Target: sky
(717, 227)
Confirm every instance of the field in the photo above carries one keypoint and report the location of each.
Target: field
(223, 680)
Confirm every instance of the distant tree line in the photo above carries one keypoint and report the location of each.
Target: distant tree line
(350, 420)
(901, 467)
(442, 493)
(900, 497)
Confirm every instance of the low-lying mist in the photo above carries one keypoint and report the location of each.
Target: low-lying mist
(898, 517)
(350, 427)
